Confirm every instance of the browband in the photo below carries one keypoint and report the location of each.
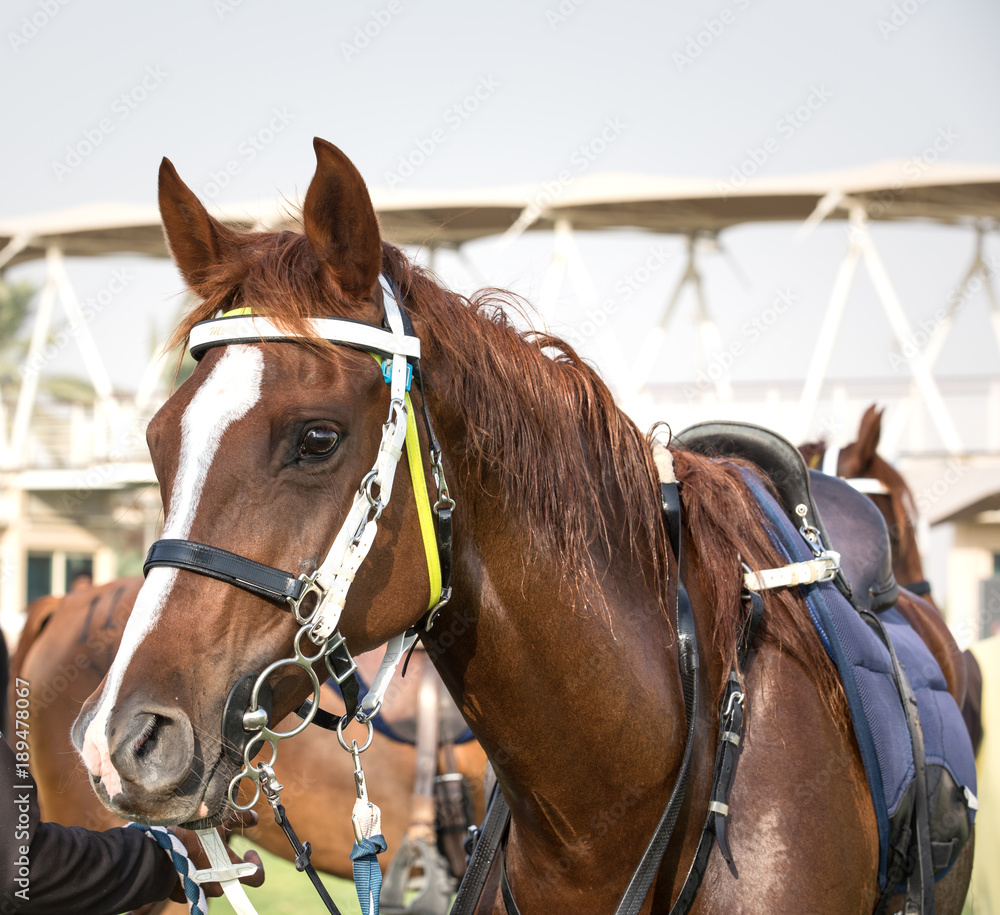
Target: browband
(257, 329)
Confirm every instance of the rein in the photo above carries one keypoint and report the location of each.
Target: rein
(246, 721)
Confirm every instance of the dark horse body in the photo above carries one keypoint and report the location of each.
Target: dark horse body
(558, 643)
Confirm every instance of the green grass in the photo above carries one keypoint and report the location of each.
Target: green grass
(288, 892)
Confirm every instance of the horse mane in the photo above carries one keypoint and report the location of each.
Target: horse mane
(594, 500)
(727, 528)
(519, 395)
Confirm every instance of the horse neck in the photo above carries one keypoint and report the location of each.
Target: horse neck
(554, 683)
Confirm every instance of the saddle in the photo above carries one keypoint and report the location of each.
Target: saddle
(885, 668)
(850, 525)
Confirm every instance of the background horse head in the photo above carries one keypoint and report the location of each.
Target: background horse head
(860, 460)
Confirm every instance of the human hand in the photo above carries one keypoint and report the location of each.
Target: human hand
(240, 820)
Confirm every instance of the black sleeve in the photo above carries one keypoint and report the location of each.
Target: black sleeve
(49, 868)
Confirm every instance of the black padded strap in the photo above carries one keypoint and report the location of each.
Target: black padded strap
(920, 885)
(251, 576)
(488, 843)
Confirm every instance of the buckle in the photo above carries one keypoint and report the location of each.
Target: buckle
(387, 372)
(338, 659)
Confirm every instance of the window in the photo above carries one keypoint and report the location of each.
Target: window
(39, 575)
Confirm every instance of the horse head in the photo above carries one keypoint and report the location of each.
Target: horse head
(262, 452)
(874, 475)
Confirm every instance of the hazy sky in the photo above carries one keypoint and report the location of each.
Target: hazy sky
(97, 91)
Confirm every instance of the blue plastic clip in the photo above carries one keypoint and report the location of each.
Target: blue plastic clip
(387, 372)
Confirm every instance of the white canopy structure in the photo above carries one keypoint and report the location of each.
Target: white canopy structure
(699, 209)
(914, 189)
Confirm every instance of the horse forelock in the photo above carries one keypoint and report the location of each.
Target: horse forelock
(276, 274)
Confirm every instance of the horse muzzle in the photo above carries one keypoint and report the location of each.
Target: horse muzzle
(146, 764)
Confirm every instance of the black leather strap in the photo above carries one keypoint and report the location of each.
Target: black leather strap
(488, 843)
(251, 576)
(726, 759)
(687, 649)
(303, 851)
(505, 891)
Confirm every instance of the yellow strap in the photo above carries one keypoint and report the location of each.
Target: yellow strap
(413, 458)
(238, 312)
(422, 498)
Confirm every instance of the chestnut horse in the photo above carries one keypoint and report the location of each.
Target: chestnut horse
(66, 648)
(558, 642)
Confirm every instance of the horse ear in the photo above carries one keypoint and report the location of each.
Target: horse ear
(869, 433)
(196, 240)
(340, 221)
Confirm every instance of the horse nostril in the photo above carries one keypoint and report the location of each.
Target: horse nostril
(141, 745)
(152, 749)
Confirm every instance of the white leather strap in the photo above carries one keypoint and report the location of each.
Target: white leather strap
(822, 568)
(257, 328)
(869, 486)
(342, 562)
(225, 872)
(395, 650)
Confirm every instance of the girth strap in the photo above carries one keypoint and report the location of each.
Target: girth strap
(255, 577)
(920, 885)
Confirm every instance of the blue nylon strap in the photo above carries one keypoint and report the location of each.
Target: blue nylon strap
(367, 874)
(182, 864)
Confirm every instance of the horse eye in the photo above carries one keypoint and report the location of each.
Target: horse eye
(319, 441)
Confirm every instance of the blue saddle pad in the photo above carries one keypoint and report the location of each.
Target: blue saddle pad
(866, 672)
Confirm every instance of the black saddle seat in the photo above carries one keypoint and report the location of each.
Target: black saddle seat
(777, 457)
(858, 530)
(847, 520)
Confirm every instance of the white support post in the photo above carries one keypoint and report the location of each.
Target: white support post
(28, 390)
(827, 337)
(555, 275)
(901, 327)
(13, 247)
(149, 382)
(88, 348)
(893, 430)
(470, 266)
(709, 339)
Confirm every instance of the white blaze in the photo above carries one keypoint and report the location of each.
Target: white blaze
(229, 392)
